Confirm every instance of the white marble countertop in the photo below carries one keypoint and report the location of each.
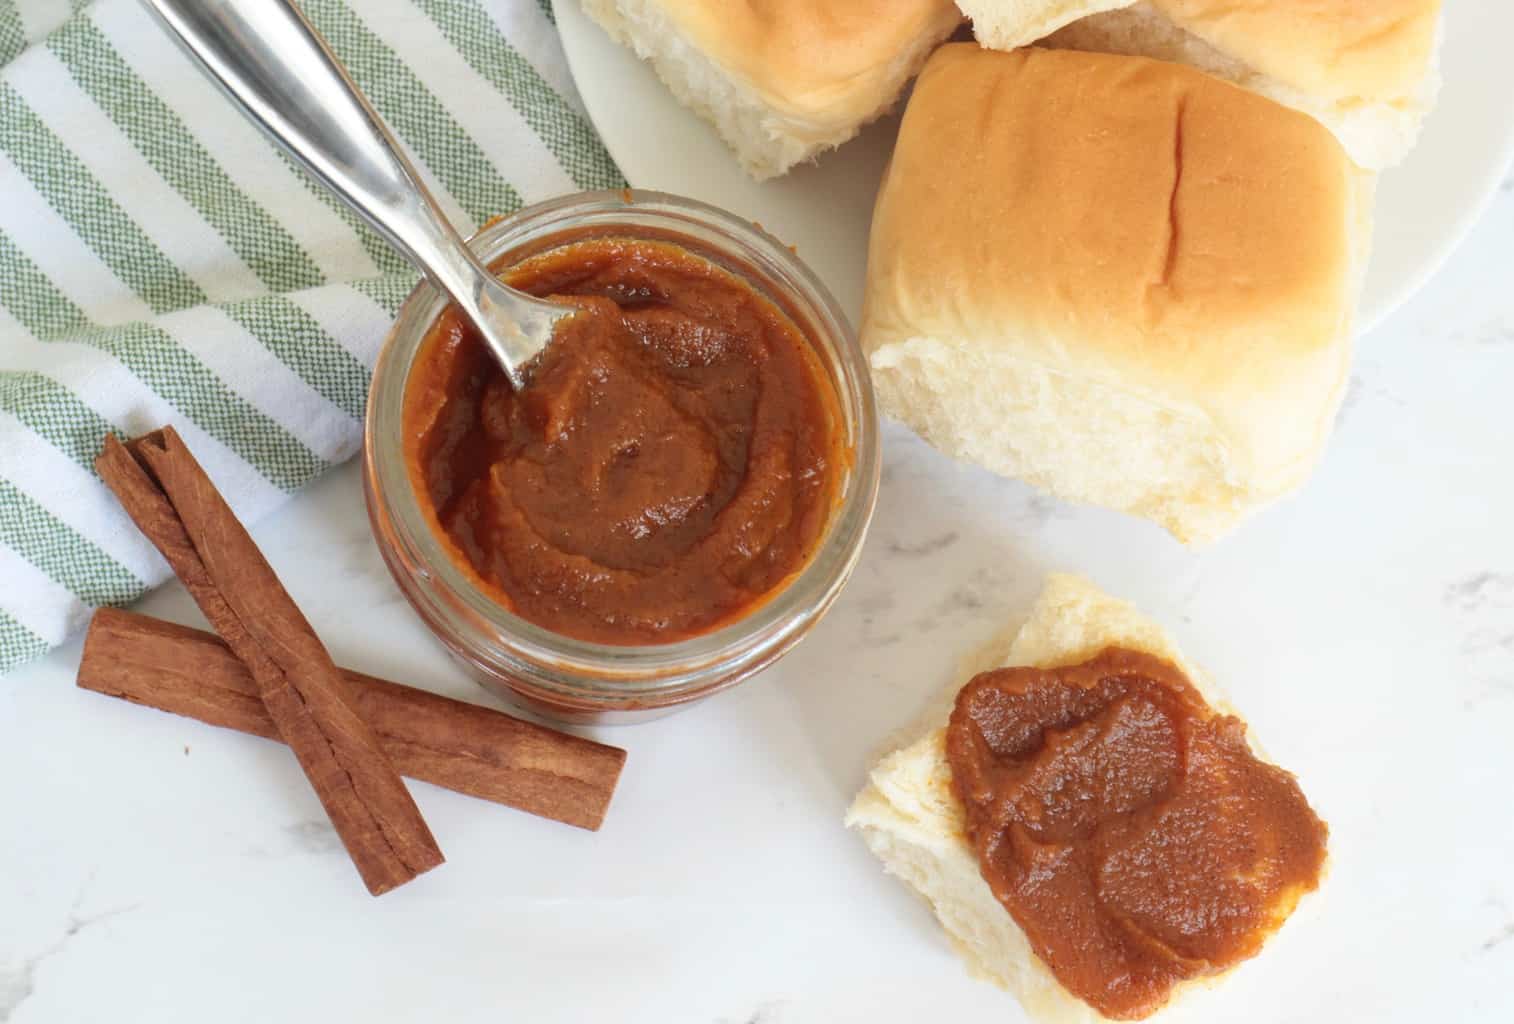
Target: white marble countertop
(155, 869)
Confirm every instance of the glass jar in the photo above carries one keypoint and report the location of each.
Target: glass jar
(573, 680)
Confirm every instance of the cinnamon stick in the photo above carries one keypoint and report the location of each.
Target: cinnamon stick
(173, 502)
(462, 747)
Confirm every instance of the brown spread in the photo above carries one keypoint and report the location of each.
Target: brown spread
(674, 460)
(1126, 826)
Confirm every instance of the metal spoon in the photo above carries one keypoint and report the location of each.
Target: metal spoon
(277, 68)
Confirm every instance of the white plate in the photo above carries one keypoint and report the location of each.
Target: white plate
(1424, 207)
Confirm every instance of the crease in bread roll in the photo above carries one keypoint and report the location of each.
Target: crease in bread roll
(781, 80)
(1124, 281)
(910, 818)
(1368, 71)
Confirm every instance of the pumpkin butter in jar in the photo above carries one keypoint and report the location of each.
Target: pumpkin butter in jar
(674, 460)
(674, 500)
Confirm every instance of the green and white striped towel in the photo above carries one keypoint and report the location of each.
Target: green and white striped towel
(160, 262)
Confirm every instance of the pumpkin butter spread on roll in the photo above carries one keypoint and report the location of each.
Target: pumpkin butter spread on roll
(1124, 281)
(1093, 825)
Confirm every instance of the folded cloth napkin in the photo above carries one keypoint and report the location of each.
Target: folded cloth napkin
(161, 262)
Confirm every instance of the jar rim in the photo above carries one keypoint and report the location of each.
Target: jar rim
(565, 665)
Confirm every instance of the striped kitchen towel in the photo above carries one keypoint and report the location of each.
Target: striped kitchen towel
(160, 262)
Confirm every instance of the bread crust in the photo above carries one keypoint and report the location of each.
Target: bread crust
(828, 61)
(1376, 51)
(1325, 74)
(1130, 224)
(781, 80)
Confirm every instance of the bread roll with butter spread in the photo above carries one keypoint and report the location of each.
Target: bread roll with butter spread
(781, 80)
(1124, 281)
(909, 814)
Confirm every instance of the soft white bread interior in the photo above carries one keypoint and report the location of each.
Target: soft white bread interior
(1368, 71)
(911, 819)
(1124, 281)
(1011, 24)
(781, 80)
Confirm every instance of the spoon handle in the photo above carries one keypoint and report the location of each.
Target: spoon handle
(278, 69)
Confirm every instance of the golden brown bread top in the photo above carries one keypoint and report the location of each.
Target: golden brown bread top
(1374, 50)
(812, 58)
(1135, 222)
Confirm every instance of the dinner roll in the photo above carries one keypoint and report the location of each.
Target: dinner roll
(1367, 71)
(1124, 281)
(781, 80)
(911, 819)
